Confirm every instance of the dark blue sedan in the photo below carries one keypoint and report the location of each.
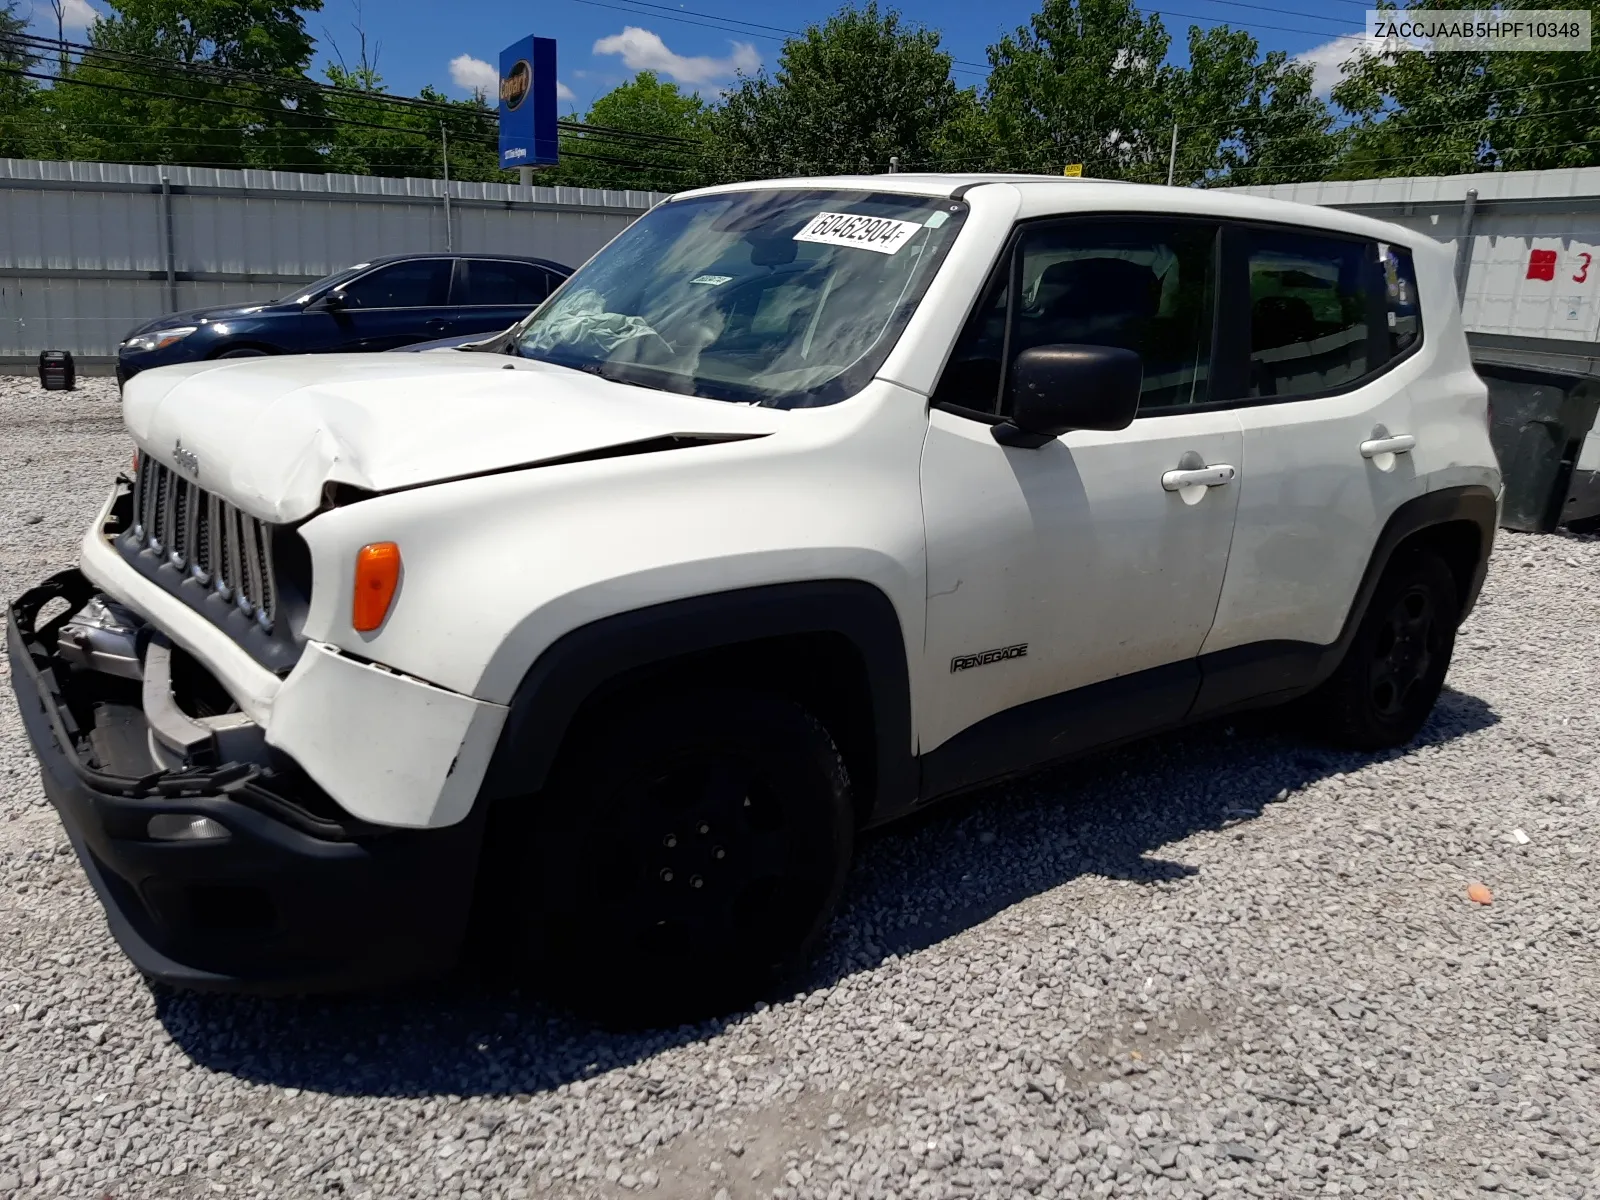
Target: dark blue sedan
(379, 305)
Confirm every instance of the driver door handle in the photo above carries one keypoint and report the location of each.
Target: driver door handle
(1215, 476)
(1400, 443)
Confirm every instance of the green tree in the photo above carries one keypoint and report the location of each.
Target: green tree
(19, 108)
(847, 95)
(648, 106)
(123, 102)
(374, 133)
(1086, 81)
(1447, 113)
(1244, 119)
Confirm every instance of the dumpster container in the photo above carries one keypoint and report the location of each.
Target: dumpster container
(1542, 423)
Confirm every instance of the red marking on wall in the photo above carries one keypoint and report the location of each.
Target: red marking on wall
(1542, 264)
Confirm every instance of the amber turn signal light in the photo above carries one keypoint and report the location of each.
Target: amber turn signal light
(377, 576)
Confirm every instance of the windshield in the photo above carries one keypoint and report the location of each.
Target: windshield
(307, 290)
(785, 298)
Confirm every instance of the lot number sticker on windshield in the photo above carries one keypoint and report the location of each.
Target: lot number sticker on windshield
(885, 235)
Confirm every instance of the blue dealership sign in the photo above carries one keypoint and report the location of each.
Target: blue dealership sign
(528, 103)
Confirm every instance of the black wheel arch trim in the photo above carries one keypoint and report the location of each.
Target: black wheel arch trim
(1266, 671)
(579, 663)
(1473, 504)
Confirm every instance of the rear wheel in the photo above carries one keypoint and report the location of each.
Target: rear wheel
(686, 856)
(1391, 676)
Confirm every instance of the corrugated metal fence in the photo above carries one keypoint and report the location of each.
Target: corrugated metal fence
(1527, 251)
(87, 250)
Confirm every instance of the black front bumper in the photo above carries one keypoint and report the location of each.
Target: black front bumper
(297, 898)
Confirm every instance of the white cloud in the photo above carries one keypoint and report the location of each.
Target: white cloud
(474, 75)
(1326, 59)
(642, 50)
(75, 15)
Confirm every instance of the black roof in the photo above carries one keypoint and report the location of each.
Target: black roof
(547, 263)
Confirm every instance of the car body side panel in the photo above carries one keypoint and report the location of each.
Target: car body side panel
(1449, 403)
(514, 560)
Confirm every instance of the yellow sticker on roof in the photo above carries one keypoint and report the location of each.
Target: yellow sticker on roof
(883, 235)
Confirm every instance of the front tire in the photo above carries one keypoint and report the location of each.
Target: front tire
(244, 352)
(1385, 688)
(686, 856)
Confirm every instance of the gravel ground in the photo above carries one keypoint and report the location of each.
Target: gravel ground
(1225, 962)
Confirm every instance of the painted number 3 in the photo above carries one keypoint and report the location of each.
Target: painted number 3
(1583, 271)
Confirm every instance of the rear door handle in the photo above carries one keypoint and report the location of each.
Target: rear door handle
(1400, 443)
(1175, 481)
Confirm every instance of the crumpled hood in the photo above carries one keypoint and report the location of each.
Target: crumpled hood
(269, 433)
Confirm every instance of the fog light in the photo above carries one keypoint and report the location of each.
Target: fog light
(184, 827)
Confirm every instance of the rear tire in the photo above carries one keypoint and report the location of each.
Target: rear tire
(685, 857)
(1386, 686)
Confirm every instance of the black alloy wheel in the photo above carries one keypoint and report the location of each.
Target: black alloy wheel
(686, 856)
(1391, 676)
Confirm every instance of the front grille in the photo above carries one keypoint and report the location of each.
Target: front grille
(196, 532)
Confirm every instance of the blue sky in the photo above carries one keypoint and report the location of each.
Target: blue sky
(702, 43)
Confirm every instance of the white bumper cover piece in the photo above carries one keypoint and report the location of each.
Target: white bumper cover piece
(390, 749)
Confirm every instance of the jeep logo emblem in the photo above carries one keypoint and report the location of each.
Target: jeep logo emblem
(185, 460)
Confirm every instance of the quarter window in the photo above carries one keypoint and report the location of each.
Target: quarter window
(1404, 309)
(422, 283)
(1145, 286)
(1309, 298)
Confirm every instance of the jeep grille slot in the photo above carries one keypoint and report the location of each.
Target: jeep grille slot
(222, 547)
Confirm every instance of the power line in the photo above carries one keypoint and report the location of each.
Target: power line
(1386, 160)
(95, 58)
(340, 122)
(1288, 12)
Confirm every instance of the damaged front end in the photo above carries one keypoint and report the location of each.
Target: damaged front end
(219, 862)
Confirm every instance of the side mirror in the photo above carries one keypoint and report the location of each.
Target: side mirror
(332, 302)
(1054, 389)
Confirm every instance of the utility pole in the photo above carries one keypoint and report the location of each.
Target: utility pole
(59, 7)
(444, 144)
(1172, 157)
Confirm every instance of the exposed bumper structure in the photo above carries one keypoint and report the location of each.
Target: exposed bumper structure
(280, 890)
(388, 748)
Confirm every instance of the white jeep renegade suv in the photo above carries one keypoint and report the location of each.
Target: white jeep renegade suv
(803, 504)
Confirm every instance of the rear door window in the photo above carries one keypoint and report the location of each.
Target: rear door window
(500, 283)
(1309, 312)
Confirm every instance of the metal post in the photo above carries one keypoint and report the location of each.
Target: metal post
(171, 249)
(449, 234)
(525, 176)
(894, 164)
(1469, 208)
(1172, 156)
